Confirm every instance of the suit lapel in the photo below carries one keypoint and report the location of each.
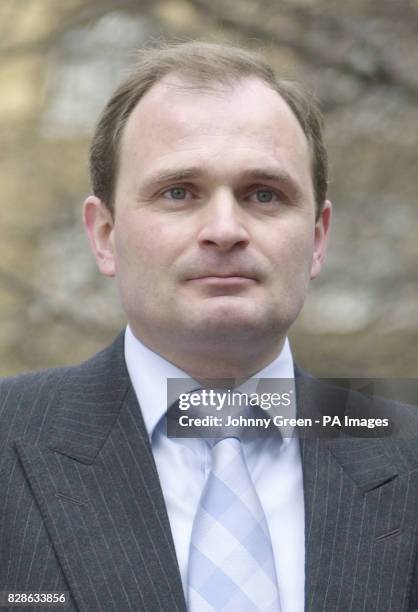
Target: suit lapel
(356, 509)
(96, 484)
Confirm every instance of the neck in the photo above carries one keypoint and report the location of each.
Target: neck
(221, 362)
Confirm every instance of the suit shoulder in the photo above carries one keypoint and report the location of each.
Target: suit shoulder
(365, 418)
(27, 386)
(399, 438)
(38, 382)
(27, 401)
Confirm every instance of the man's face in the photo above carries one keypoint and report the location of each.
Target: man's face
(214, 239)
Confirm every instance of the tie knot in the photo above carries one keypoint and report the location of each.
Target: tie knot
(216, 414)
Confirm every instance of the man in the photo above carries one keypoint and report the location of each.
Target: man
(210, 211)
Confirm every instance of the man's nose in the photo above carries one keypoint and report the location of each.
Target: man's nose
(223, 226)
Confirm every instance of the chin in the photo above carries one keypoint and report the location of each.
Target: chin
(228, 318)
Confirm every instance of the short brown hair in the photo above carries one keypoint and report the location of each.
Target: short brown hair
(204, 64)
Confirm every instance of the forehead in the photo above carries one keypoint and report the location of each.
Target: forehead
(177, 117)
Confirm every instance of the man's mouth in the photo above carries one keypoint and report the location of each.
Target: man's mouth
(231, 280)
(233, 274)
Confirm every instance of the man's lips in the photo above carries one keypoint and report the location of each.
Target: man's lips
(223, 276)
(229, 280)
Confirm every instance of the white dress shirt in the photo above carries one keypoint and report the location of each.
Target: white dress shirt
(183, 465)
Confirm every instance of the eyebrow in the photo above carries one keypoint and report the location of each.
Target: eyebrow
(173, 175)
(273, 176)
(195, 172)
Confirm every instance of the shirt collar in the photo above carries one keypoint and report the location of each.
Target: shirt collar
(149, 372)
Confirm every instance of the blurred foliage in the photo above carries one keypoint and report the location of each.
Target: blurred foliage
(59, 61)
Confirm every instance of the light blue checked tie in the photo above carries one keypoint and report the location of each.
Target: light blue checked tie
(231, 562)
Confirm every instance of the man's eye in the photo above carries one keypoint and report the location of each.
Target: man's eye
(176, 193)
(264, 196)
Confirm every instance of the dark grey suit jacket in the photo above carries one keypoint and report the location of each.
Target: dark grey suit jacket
(81, 508)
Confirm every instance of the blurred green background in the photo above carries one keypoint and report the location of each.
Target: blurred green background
(60, 60)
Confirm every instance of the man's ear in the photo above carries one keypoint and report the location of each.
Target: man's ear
(322, 227)
(98, 222)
